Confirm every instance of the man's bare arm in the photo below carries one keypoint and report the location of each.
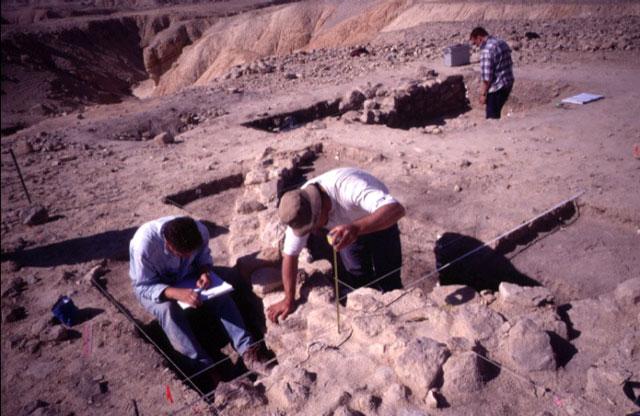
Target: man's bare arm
(289, 272)
(382, 218)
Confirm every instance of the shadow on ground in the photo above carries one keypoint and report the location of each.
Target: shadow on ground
(464, 260)
(112, 245)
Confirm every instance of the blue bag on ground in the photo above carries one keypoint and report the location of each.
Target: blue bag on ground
(65, 311)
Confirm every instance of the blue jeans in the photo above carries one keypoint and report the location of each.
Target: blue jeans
(367, 259)
(174, 322)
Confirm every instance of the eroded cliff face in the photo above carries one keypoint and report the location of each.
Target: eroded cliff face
(165, 46)
(329, 24)
(96, 56)
(56, 67)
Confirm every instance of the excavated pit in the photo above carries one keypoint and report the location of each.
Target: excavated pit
(416, 103)
(487, 267)
(204, 190)
(218, 197)
(292, 119)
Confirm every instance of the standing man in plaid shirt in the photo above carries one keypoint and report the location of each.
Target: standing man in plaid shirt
(495, 70)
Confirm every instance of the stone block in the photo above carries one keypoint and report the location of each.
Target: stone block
(293, 387)
(256, 176)
(419, 366)
(525, 295)
(272, 234)
(265, 280)
(529, 348)
(475, 321)
(462, 376)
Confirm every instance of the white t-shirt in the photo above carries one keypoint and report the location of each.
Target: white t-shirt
(354, 194)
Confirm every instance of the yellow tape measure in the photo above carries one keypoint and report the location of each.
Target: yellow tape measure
(335, 279)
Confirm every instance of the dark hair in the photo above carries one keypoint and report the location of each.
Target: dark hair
(183, 234)
(478, 31)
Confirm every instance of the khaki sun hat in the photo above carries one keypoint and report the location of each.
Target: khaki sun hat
(300, 209)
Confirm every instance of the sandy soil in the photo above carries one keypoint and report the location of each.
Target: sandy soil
(99, 180)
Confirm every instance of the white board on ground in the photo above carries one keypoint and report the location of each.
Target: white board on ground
(582, 98)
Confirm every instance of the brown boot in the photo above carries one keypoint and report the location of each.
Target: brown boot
(256, 361)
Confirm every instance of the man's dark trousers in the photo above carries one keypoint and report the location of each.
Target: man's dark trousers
(496, 100)
(366, 260)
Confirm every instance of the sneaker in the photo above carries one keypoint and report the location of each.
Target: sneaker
(256, 361)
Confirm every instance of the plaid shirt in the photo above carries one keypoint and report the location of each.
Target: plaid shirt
(495, 64)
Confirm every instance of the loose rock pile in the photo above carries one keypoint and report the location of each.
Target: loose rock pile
(405, 352)
(426, 42)
(255, 234)
(408, 105)
(412, 104)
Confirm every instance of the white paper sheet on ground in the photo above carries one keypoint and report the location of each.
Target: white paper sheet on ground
(218, 287)
(583, 98)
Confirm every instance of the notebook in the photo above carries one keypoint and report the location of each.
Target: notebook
(218, 287)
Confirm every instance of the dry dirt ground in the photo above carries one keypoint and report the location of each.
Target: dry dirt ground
(87, 155)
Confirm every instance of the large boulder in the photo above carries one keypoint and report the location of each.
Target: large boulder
(353, 100)
(365, 299)
(164, 138)
(528, 347)
(292, 387)
(462, 376)
(594, 319)
(265, 280)
(272, 234)
(419, 365)
(475, 321)
(525, 295)
(374, 328)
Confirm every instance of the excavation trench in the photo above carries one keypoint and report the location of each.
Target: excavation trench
(487, 267)
(417, 103)
(484, 269)
(292, 119)
(205, 189)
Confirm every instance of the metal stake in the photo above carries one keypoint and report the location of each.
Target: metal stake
(15, 162)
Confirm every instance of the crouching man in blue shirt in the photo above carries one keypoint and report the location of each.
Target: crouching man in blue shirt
(165, 252)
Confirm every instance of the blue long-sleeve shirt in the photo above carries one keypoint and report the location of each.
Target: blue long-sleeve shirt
(153, 268)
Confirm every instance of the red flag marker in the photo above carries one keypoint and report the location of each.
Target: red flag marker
(169, 397)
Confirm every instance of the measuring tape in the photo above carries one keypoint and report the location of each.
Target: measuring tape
(335, 279)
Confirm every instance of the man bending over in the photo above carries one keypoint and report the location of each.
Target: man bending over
(355, 209)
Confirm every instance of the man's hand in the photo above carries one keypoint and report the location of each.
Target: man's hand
(343, 235)
(483, 99)
(189, 296)
(204, 281)
(280, 310)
